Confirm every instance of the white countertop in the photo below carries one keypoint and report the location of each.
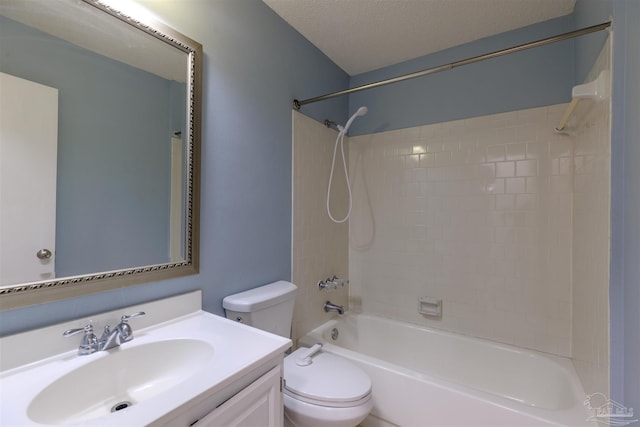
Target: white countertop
(238, 350)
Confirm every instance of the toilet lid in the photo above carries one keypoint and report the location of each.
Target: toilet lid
(328, 378)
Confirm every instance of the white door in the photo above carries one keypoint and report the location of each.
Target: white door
(28, 164)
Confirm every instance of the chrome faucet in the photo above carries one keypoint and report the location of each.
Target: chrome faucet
(329, 306)
(120, 334)
(109, 339)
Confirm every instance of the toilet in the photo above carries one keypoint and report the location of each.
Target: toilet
(321, 389)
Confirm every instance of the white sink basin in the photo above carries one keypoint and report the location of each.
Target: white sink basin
(125, 377)
(179, 365)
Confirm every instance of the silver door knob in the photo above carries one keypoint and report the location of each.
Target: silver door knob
(44, 254)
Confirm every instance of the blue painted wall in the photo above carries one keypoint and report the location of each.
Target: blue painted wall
(625, 202)
(111, 212)
(628, 12)
(533, 78)
(254, 65)
(624, 291)
(587, 48)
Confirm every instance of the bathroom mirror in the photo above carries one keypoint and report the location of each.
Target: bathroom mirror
(99, 150)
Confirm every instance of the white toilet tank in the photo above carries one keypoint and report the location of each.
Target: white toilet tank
(268, 307)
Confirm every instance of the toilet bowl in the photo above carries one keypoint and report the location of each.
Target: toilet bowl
(322, 390)
(330, 391)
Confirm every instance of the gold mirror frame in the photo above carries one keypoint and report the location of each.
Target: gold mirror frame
(24, 294)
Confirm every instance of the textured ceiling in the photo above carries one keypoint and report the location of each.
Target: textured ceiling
(363, 35)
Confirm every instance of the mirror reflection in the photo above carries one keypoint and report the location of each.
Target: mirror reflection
(94, 143)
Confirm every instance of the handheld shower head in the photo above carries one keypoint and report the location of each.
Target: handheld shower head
(340, 140)
(360, 112)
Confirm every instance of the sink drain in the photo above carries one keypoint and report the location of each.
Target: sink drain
(120, 406)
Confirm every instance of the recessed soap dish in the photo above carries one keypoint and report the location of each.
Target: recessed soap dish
(431, 307)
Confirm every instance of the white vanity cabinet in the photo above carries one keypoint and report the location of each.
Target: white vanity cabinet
(255, 400)
(259, 404)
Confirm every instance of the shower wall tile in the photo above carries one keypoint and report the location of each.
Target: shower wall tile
(591, 242)
(319, 246)
(477, 212)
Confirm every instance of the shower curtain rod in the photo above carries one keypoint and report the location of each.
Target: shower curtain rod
(577, 33)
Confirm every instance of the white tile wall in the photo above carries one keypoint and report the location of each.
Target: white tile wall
(477, 212)
(591, 242)
(319, 246)
(505, 220)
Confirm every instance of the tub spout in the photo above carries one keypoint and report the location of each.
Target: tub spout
(329, 306)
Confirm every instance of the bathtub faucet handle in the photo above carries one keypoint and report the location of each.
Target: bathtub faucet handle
(339, 282)
(332, 283)
(328, 284)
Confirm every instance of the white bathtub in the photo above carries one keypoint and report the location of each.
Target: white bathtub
(427, 377)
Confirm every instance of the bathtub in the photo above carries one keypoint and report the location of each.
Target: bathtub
(428, 377)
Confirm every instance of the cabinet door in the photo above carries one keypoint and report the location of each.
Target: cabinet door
(258, 405)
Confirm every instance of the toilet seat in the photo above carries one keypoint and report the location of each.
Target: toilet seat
(329, 381)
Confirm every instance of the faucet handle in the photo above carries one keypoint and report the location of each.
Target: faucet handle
(332, 283)
(126, 333)
(126, 317)
(87, 329)
(89, 343)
